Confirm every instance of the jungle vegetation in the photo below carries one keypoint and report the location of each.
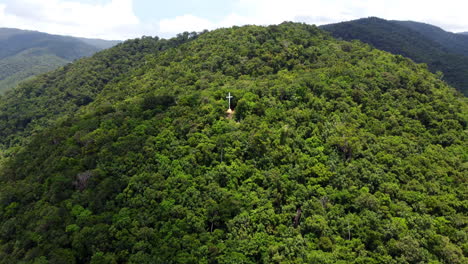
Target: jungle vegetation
(444, 52)
(25, 53)
(337, 152)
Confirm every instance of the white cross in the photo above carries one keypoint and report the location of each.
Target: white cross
(229, 97)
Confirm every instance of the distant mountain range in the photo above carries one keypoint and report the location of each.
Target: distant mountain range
(27, 53)
(441, 50)
(452, 42)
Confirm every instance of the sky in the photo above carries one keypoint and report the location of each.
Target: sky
(124, 19)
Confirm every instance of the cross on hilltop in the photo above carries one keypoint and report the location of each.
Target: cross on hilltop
(229, 98)
(229, 111)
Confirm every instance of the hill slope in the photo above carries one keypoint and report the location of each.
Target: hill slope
(28, 53)
(60, 93)
(100, 43)
(452, 42)
(442, 51)
(336, 153)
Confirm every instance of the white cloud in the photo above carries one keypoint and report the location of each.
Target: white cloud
(448, 14)
(112, 20)
(264, 12)
(184, 23)
(277, 11)
(115, 19)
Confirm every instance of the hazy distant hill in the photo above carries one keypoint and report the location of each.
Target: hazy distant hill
(440, 50)
(26, 53)
(100, 43)
(457, 43)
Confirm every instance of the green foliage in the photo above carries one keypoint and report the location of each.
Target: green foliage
(336, 153)
(43, 100)
(457, 43)
(441, 51)
(29, 53)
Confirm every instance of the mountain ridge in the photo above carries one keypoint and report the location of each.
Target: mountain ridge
(421, 42)
(336, 152)
(27, 53)
(457, 43)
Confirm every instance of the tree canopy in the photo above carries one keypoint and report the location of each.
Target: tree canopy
(25, 53)
(442, 51)
(336, 153)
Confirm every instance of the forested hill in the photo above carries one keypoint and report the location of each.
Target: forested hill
(26, 53)
(452, 42)
(442, 51)
(336, 153)
(57, 94)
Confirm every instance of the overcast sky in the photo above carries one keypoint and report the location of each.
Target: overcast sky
(123, 19)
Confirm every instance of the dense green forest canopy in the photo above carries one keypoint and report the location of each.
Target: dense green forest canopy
(336, 153)
(452, 42)
(24, 53)
(442, 51)
(43, 100)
